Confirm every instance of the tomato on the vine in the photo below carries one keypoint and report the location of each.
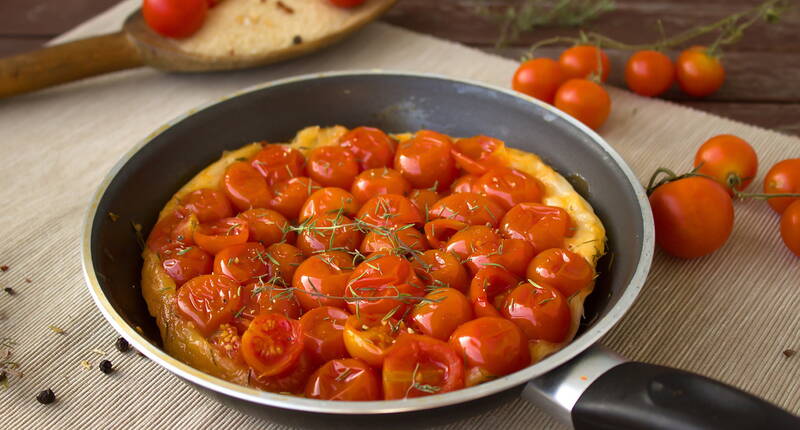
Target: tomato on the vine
(539, 78)
(782, 178)
(582, 61)
(790, 227)
(585, 101)
(699, 73)
(175, 18)
(649, 73)
(727, 159)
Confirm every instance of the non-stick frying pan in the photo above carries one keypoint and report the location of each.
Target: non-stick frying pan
(583, 385)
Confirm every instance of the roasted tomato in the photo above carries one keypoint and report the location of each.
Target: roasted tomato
(328, 232)
(292, 380)
(184, 263)
(263, 297)
(215, 236)
(370, 146)
(466, 240)
(475, 155)
(509, 187)
(329, 200)
(440, 231)
(279, 163)
(375, 182)
(510, 254)
(420, 365)
(440, 269)
(782, 178)
(369, 337)
(544, 227)
(426, 162)
(332, 166)
(345, 379)
(183, 233)
(487, 289)
(383, 284)
(463, 184)
(321, 279)
(161, 235)
(267, 226)
(470, 208)
(282, 261)
(389, 210)
(440, 312)
(540, 310)
(245, 186)
(399, 241)
(491, 347)
(290, 195)
(423, 199)
(209, 205)
(226, 340)
(561, 268)
(272, 344)
(243, 262)
(322, 333)
(208, 301)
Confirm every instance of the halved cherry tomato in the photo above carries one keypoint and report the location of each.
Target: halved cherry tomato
(383, 284)
(215, 236)
(183, 233)
(477, 154)
(389, 210)
(290, 195)
(783, 177)
(282, 261)
(160, 236)
(320, 280)
(243, 262)
(226, 340)
(426, 162)
(184, 263)
(347, 4)
(267, 226)
(332, 166)
(510, 254)
(471, 208)
(491, 347)
(582, 61)
(374, 182)
(322, 333)
(292, 380)
(440, 231)
(561, 268)
(272, 344)
(488, 287)
(176, 18)
(345, 379)
(371, 147)
(263, 297)
(440, 312)
(649, 73)
(328, 231)
(465, 241)
(209, 205)
(369, 337)
(542, 226)
(539, 78)
(464, 184)
(420, 365)
(208, 301)
(727, 159)
(398, 241)
(509, 187)
(541, 311)
(585, 101)
(440, 269)
(699, 74)
(423, 199)
(245, 186)
(279, 163)
(329, 200)
(790, 227)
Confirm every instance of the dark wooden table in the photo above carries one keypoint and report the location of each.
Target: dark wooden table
(763, 69)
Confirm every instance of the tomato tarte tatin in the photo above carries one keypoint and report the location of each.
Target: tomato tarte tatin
(357, 265)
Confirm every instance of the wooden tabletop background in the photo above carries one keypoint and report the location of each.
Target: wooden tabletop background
(763, 69)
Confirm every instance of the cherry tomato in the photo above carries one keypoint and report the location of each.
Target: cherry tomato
(649, 73)
(209, 205)
(374, 182)
(727, 159)
(330, 231)
(544, 227)
(541, 311)
(263, 297)
(329, 200)
(292, 380)
(561, 268)
(332, 166)
(440, 231)
(699, 74)
(226, 341)
(783, 177)
(401, 241)
(510, 254)
(539, 78)
(491, 347)
(440, 312)
(509, 187)
(582, 61)
(471, 208)
(477, 154)
(183, 233)
(487, 289)
(282, 261)
(218, 235)
(243, 262)
(790, 227)
(161, 235)
(371, 147)
(440, 269)
(464, 183)
(347, 4)
(389, 210)
(290, 195)
(175, 18)
(423, 199)
(322, 329)
(369, 337)
(693, 216)
(184, 263)
(465, 241)
(320, 280)
(208, 301)
(425, 161)
(383, 284)
(585, 101)
(279, 163)
(272, 344)
(267, 226)
(345, 379)
(420, 365)
(245, 187)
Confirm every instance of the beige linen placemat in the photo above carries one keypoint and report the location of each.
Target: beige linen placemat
(728, 316)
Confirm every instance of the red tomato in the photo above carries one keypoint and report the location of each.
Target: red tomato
(541, 311)
(291, 194)
(267, 226)
(440, 269)
(477, 154)
(369, 337)
(488, 287)
(161, 235)
(279, 163)
(183, 233)
(491, 347)
(544, 227)
(292, 380)
(561, 268)
(425, 161)
(440, 312)
(347, 4)
(346, 379)
(389, 210)
(374, 182)
(226, 341)
(184, 263)
(440, 231)
(423, 199)
(539, 78)
(420, 365)
(218, 235)
(272, 344)
(699, 74)
(509, 187)
(464, 183)
(322, 329)
(209, 205)
(582, 61)
(208, 301)
(510, 254)
(330, 231)
(245, 187)
(264, 297)
(332, 166)
(693, 216)
(243, 262)
(383, 284)
(371, 147)
(585, 101)
(175, 18)
(282, 261)
(783, 177)
(321, 279)
(790, 227)
(727, 159)
(465, 241)
(649, 73)
(329, 200)
(470, 208)
(402, 241)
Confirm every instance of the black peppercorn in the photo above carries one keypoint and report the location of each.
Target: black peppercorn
(297, 40)
(106, 367)
(46, 397)
(122, 345)
(10, 291)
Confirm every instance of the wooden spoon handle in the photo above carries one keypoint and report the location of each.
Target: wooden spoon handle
(67, 62)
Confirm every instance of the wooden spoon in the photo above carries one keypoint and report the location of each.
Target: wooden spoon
(137, 45)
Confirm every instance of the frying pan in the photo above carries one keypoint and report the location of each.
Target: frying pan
(583, 385)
